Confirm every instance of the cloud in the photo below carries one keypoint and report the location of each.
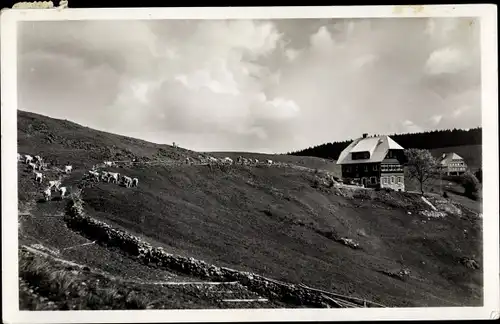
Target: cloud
(410, 127)
(446, 60)
(273, 86)
(436, 119)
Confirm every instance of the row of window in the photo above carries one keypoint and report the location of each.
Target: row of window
(456, 169)
(384, 180)
(384, 167)
(391, 180)
(391, 167)
(456, 164)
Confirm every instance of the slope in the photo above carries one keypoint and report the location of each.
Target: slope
(276, 221)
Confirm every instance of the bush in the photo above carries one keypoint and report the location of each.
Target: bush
(470, 184)
(75, 203)
(315, 183)
(479, 175)
(445, 194)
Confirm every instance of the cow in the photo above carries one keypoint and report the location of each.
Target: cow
(127, 181)
(55, 184)
(47, 193)
(113, 177)
(38, 177)
(28, 158)
(62, 191)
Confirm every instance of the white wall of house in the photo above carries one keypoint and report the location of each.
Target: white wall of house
(395, 181)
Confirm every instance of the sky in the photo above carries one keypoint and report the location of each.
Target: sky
(269, 86)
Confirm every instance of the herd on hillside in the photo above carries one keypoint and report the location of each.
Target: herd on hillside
(36, 165)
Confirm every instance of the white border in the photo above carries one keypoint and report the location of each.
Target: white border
(489, 69)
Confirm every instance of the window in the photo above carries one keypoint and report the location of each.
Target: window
(347, 169)
(373, 180)
(400, 179)
(375, 168)
(366, 168)
(360, 155)
(392, 179)
(384, 180)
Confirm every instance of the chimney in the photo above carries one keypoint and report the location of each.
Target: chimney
(365, 135)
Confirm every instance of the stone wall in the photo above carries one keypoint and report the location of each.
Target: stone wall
(149, 255)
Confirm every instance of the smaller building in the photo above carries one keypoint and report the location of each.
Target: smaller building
(452, 164)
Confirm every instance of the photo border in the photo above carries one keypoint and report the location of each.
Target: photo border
(489, 69)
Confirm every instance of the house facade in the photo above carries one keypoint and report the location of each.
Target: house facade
(452, 164)
(374, 162)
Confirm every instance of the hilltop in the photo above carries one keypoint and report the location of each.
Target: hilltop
(285, 222)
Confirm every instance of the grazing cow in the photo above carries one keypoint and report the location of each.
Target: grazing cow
(127, 181)
(38, 177)
(38, 158)
(47, 193)
(113, 177)
(62, 191)
(135, 182)
(256, 161)
(19, 157)
(269, 162)
(68, 168)
(32, 166)
(212, 159)
(108, 163)
(28, 158)
(104, 175)
(42, 166)
(227, 160)
(94, 175)
(54, 183)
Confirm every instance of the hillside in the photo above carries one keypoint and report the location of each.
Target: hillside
(278, 221)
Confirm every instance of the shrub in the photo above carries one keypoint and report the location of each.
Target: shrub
(470, 184)
(479, 175)
(445, 194)
(315, 183)
(75, 203)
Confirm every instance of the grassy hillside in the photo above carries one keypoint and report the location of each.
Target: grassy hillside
(275, 221)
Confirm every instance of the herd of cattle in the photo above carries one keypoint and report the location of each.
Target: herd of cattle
(37, 165)
(226, 160)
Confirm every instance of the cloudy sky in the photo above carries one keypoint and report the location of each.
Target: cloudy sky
(268, 86)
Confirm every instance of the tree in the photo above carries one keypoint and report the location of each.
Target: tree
(421, 165)
(470, 184)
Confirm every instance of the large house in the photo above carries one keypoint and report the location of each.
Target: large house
(375, 162)
(453, 164)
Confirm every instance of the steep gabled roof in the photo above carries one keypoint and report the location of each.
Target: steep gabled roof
(448, 157)
(377, 146)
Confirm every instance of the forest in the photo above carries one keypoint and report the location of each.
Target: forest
(425, 140)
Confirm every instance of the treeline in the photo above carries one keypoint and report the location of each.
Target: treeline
(426, 140)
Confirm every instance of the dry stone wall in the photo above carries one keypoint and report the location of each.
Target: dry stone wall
(146, 253)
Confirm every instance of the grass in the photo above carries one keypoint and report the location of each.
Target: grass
(267, 220)
(68, 290)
